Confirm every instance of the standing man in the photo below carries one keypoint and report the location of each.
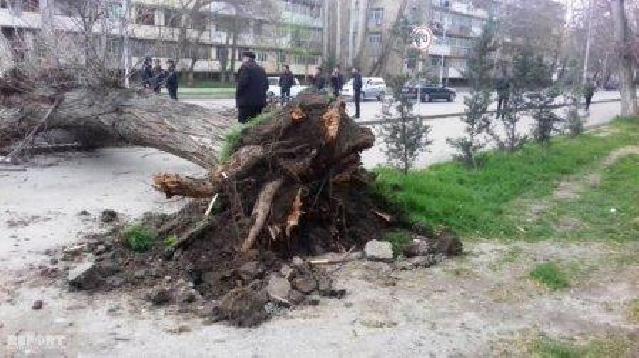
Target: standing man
(337, 82)
(503, 94)
(357, 89)
(159, 76)
(287, 80)
(252, 85)
(318, 80)
(589, 92)
(147, 73)
(172, 81)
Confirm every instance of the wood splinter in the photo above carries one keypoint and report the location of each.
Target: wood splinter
(260, 212)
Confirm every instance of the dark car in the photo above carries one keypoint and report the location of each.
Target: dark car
(429, 92)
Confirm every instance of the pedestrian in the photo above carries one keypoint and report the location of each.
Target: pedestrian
(287, 80)
(147, 73)
(252, 85)
(158, 76)
(503, 94)
(172, 81)
(337, 81)
(589, 92)
(318, 80)
(357, 90)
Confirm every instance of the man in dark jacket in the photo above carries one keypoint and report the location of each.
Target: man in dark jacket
(503, 94)
(589, 92)
(158, 76)
(147, 73)
(318, 80)
(172, 81)
(252, 85)
(357, 89)
(337, 82)
(287, 80)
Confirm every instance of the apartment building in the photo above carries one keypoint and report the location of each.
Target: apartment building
(358, 32)
(366, 27)
(290, 33)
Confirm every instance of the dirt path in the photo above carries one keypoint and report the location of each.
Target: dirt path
(482, 304)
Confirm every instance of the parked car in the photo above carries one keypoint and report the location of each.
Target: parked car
(428, 92)
(274, 89)
(373, 88)
(611, 86)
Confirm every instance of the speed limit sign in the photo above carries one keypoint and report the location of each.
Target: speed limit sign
(422, 38)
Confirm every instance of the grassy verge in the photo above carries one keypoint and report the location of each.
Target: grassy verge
(600, 348)
(476, 202)
(609, 210)
(204, 93)
(550, 275)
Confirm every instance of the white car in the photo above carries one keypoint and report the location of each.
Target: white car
(274, 87)
(373, 88)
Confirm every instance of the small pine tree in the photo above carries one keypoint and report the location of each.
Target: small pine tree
(403, 133)
(475, 115)
(546, 121)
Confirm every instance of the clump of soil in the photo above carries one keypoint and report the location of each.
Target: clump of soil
(294, 187)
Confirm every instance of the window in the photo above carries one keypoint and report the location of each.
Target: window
(172, 18)
(375, 42)
(144, 16)
(221, 53)
(261, 56)
(376, 16)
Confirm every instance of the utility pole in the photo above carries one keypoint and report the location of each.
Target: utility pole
(587, 55)
(441, 68)
(351, 33)
(126, 53)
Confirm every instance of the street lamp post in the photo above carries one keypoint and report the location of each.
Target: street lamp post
(587, 55)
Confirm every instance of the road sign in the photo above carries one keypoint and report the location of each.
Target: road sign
(422, 38)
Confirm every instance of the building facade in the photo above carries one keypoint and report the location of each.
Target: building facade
(209, 39)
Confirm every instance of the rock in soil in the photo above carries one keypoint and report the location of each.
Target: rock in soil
(305, 284)
(159, 296)
(251, 270)
(37, 304)
(278, 288)
(108, 216)
(243, 307)
(296, 297)
(379, 251)
(85, 276)
(419, 248)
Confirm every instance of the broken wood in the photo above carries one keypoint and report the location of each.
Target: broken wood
(260, 211)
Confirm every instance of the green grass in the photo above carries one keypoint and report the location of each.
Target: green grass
(476, 202)
(233, 139)
(551, 275)
(609, 211)
(139, 238)
(634, 311)
(399, 240)
(211, 84)
(171, 241)
(615, 347)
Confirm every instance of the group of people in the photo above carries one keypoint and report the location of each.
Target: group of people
(252, 86)
(155, 77)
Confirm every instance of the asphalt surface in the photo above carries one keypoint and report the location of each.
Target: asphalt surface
(604, 108)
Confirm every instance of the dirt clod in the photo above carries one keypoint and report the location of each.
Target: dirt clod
(37, 304)
(243, 307)
(108, 216)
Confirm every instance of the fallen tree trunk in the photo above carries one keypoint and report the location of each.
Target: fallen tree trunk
(133, 117)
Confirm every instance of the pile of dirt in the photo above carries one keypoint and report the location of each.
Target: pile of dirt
(294, 187)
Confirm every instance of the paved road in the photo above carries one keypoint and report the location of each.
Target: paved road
(443, 128)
